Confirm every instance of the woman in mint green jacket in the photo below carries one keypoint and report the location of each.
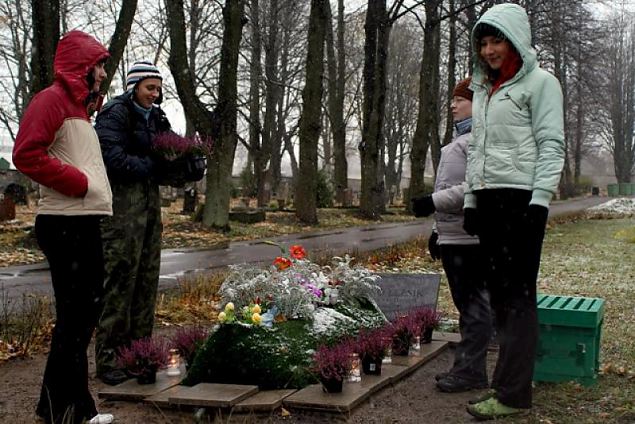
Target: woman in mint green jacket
(515, 159)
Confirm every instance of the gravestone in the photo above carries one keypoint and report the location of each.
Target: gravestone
(402, 293)
(7, 208)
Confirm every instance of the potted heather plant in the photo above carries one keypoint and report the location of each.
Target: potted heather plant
(143, 358)
(404, 330)
(427, 319)
(372, 346)
(184, 157)
(187, 340)
(331, 364)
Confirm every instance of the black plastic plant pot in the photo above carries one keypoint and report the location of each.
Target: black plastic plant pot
(332, 385)
(426, 335)
(149, 377)
(371, 366)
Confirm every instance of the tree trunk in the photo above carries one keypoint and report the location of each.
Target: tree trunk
(426, 133)
(377, 30)
(46, 34)
(336, 72)
(271, 95)
(449, 119)
(310, 121)
(255, 75)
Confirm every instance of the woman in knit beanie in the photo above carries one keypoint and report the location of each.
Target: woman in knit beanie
(459, 253)
(126, 127)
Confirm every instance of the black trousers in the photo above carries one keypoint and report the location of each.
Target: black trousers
(512, 251)
(72, 245)
(463, 265)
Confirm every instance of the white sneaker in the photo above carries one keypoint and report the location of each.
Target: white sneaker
(102, 419)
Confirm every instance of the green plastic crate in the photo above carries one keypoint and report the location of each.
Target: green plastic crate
(569, 341)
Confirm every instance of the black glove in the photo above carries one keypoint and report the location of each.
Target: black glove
(471, 221)
(195, 167)
(422, 205)
(433, 247)
(536, 218)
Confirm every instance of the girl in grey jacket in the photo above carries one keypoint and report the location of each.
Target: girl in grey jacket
(460, 253)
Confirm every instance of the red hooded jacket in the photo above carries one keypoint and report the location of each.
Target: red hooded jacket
(56, 144)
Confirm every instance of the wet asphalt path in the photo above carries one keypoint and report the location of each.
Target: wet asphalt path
(35, 279)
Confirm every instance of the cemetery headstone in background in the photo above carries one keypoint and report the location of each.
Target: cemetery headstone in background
(401, 293)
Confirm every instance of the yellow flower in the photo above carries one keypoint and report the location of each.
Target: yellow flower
(255, 318)
(222, 316)
(229, 307)
(256, 309)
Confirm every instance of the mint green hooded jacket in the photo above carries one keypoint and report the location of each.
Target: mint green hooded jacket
(518, 133)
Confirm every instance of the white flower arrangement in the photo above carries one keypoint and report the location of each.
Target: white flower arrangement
(292, 288)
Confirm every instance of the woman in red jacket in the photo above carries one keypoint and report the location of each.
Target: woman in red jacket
(57, 147)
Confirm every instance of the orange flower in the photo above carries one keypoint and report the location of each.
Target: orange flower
(297, 252)
(282, 263)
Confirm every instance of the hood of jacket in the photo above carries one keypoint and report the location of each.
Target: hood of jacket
(76, 55)
(511, 20)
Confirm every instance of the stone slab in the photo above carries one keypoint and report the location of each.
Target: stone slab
(377, 382)
(132, 391)
(402, 293)
(265, 401)
(452, 338)
(314, 398)
(162, 399)
(213, 395)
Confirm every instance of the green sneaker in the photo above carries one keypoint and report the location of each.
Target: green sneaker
(489, 393)
(491, 409)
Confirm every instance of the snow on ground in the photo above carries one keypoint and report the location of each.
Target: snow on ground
(621, 207)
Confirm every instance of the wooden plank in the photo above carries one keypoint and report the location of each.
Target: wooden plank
(264, 401)
(213, 395)
(132, 391)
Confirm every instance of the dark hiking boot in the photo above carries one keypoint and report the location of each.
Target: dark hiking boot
(441, 376)
(113, 377)
(455, 384)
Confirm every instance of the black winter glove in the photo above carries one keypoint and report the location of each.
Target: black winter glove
(536, 218)
(195, 167)
(433, 247)
(471, 221)
(422, 205)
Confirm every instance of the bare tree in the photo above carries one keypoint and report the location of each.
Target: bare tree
(119, 39)
(371, 148)
(221, 124)
(401, 100)
(14, 51)
(620, 67)
(306, 184)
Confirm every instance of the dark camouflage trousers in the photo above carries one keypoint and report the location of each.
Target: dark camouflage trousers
(132, 257)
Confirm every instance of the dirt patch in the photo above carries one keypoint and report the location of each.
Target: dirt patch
(413, 400)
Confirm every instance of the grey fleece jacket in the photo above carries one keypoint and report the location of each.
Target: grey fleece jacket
(448, 195)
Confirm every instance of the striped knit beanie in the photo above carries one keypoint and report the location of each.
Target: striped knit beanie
(140, 71)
